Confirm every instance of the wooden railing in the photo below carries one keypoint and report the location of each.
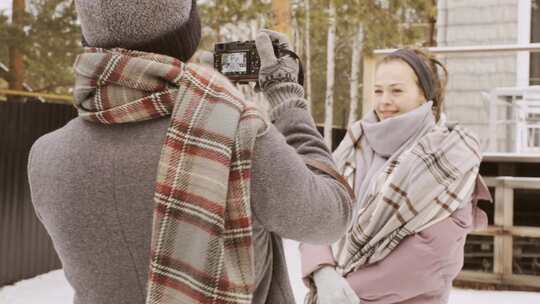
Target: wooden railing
(503, 232)
(52, 98)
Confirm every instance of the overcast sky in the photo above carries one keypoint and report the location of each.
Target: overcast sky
(5, 4)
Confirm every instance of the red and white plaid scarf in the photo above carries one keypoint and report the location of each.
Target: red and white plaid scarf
(202, 248)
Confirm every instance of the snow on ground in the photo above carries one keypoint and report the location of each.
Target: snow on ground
(52, 288)
(49, 288)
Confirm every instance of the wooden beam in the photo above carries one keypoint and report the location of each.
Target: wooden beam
(504, 216)
(531, 183)
(521, 231)
(477, 276)
(525, 231)
(510, 158)
(492, 278)
(490, 231)
(531, 47)
(522, 280)
(64, 99)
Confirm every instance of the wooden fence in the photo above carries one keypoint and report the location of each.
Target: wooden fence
(25, 247)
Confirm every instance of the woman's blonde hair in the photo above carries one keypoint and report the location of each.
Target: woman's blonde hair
(434, 67)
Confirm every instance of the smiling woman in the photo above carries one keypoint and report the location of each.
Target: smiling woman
(396, 91)
(406, 79)
(416, 184)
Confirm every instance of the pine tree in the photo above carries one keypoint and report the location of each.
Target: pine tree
(40, 47)
(16, 59)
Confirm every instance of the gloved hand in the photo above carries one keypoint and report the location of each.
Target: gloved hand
(278, 77)
(333, 288)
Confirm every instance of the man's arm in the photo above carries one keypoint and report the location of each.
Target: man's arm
(289, 198)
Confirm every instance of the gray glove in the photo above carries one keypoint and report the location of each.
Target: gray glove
(278, 77)
(333, 288)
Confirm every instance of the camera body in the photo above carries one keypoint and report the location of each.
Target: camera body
(239, 60)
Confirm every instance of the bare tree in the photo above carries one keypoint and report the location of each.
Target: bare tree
(330, 67)
(307, 52)
(282, 16)
(355, 72)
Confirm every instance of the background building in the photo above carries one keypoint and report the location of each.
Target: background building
(487, 22)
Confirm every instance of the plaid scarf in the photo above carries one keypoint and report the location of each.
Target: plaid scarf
(202, 248)
(419, 188)
(424, 180)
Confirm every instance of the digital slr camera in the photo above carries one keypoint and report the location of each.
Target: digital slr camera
(239, 61)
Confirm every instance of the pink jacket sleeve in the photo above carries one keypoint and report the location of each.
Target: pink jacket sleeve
(313, 258)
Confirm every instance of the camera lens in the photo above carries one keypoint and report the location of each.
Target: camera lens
(220, 47)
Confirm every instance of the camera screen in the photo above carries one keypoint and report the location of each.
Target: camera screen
(234, 63)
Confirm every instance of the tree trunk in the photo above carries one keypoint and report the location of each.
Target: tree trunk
(431, 32)
(307, 52)
(16, 60)
(282, 15)
(432, 20)
(297, 39)
(330, 65)
(355, 72)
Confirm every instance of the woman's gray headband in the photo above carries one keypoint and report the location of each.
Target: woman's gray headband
(421, 70)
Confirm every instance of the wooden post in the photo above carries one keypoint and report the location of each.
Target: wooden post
(368, 82)
(504, 218)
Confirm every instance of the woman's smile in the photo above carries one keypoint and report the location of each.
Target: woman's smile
(388, 114)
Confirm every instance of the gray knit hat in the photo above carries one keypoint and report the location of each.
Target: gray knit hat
(129, 23)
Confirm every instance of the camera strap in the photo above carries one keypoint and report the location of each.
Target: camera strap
(333, 173)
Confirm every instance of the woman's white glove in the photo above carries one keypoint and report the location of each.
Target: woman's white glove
(332, 288)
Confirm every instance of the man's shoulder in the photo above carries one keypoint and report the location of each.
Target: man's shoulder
(53, 143)
(56, 137)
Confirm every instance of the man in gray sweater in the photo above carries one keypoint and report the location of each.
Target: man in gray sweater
(93, 184)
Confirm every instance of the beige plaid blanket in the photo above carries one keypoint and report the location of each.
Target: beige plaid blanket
(422, 186)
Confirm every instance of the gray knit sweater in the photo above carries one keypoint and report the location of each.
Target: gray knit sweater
(92, 187)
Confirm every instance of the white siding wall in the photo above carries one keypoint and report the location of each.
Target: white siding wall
(478, 22)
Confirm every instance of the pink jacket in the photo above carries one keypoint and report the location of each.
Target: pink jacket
(420, 269)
